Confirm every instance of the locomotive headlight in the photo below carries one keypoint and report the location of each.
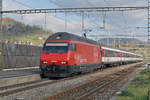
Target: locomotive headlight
(44, 62)
(63, 62)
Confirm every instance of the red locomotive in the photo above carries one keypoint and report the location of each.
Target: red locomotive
(65, 54)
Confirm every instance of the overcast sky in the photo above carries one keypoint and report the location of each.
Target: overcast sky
(116, 22)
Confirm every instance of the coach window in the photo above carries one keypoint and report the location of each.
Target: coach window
(72, 47)
(111, 53)
(125, 55)
(106, 53)
(115, 54)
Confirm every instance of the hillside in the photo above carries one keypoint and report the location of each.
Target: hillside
(17, 31)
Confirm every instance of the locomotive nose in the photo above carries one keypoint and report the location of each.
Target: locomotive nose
(53, 66)
(53, 63)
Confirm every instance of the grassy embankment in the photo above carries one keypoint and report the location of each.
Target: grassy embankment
(138, 90)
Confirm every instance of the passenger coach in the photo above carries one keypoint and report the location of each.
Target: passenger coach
(113, 56)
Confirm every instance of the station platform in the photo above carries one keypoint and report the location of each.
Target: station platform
(16, 76)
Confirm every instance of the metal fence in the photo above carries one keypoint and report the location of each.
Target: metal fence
(17, 55)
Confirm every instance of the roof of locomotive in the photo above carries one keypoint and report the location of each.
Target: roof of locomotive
(72, 37)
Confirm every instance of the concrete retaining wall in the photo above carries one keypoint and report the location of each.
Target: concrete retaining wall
(17, 55)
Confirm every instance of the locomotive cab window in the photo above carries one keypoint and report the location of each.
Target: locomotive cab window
(55, 47)
(72, 47)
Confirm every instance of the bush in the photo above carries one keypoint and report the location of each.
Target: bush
(126, 93)
(146, 71)
(137, 79)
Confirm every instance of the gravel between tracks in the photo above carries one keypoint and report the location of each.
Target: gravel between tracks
(109, 93)
(48, 90)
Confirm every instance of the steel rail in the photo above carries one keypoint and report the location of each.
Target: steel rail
(94, 91)
(10, 92)
(21, 84)
(74, 89)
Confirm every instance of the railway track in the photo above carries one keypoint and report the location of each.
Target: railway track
(14, 89)
(20, 85)
(87, 90)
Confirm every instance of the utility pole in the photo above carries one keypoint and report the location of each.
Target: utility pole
(148, 20)
(1, 35)
(107, 37)
(148, 41)
(83, 27)
(1, 16)
(83, 22)
(65, 21)
(45, 26)
(104, 19)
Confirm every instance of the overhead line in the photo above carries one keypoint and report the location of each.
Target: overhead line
(89, 9)
(23, 4)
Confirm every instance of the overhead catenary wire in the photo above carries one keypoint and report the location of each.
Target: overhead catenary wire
(104, 19)
(52, 1)
(67, 10)
(106, 2)
(93, 21)
(126, 23)
(23, 4)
